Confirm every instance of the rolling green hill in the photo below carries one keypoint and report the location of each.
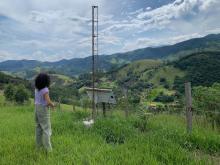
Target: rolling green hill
(166, 73)
(199, 68)
(9, 79)
(146, 72)
(137, 68)
(61, 80)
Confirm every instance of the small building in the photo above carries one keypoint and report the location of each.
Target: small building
(102, 95)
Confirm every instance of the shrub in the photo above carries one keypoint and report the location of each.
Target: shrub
(142, 121)
(206, 101)
(114, 131)
(164, 98)
(21, 94)
(9, 92)
(18, 94)
(162, 80)
(134, 99)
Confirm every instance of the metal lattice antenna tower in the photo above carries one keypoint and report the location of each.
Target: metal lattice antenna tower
(94, 54)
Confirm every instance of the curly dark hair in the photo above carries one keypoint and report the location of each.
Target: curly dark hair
(42, 80)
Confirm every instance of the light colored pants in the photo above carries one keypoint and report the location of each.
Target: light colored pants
(43, 127)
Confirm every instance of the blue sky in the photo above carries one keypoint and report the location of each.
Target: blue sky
(50, 30)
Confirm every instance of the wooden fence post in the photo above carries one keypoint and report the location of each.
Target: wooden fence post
(125, 91)
(188, 95)
(74, 108)
(97, 109)
(104, 109)
(59, 104)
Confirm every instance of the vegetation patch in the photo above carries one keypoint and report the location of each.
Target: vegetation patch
(114, 131)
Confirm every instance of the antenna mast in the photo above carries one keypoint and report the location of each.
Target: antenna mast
(94, 54)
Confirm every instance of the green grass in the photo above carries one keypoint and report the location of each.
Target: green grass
(113, 140)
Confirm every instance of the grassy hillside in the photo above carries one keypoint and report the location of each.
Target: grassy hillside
(9, 79)
(137, 68)
(61, 80)
(110, 141)
(145, 75)
(168, 73)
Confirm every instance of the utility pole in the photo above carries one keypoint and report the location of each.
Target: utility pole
(94, 54)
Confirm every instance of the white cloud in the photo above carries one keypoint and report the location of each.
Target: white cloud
(213, 31)
(54, 29)
(207, 4)
(176, 9)
(151, 42)
(4, 55)
(162, 16)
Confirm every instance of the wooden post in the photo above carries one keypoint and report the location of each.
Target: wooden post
(74, 108)
(104, 109)
(97, 109)
(188, 106)
(59, 106)
(125, 91)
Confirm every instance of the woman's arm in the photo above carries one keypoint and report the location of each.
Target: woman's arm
(49, 102)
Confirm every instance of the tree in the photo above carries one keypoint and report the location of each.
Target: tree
(21, 94)
(9, 92)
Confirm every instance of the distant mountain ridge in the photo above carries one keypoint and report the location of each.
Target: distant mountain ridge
(78, 66)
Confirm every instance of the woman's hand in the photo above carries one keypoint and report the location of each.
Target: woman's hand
(53, 106)
(49, 102)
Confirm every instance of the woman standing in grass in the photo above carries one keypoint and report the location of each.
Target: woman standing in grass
(42, 113)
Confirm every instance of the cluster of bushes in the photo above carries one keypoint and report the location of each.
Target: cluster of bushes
(206, 101)
(164, 98)
(114, 130)
(163, 81)
(18, 94)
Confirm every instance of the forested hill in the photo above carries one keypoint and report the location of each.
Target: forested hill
(81, 65)
(201, 68)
